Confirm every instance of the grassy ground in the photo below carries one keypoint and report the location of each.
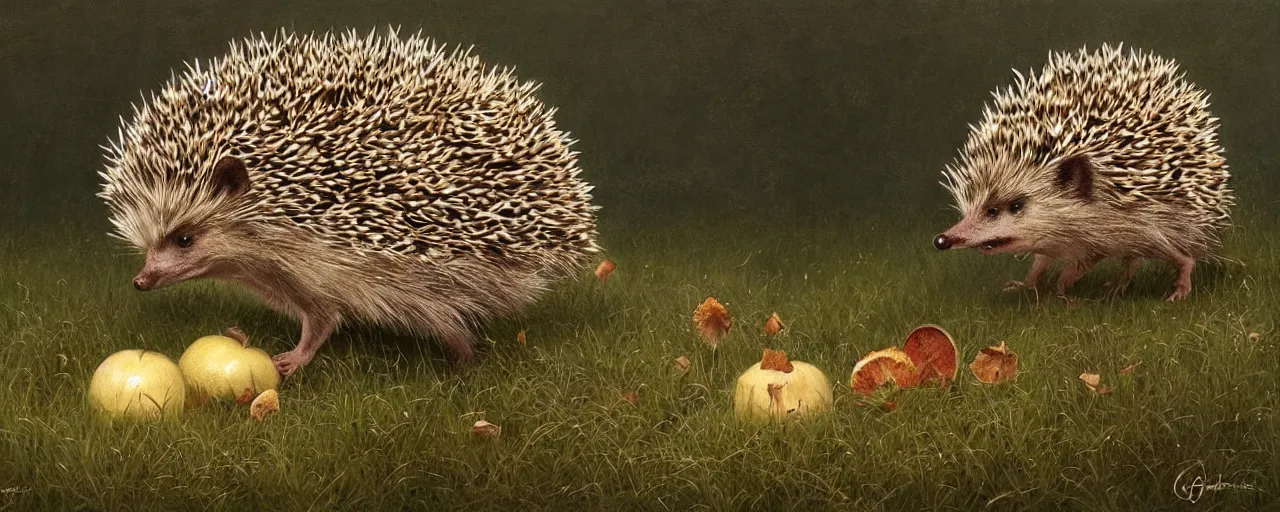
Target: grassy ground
(378, 422)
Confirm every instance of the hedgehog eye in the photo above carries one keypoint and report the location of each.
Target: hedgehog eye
(1016, 206)
(993, 212)
(185, 241)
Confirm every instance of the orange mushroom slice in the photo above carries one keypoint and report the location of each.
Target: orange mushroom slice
(934, 354)
(880, 368)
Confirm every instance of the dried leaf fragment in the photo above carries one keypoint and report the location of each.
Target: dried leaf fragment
(631, 397)
(775, 360)
(267, 402)
(1255, 337)
(712, 321)
(520, 339)
(773, 325)
(682, 364)
(606, 267)
(1094, 382)
(882, 367)
(485, 430)
(994, 365)
(1129, 369)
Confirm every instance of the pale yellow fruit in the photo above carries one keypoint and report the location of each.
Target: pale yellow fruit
(224, 368)
(776, 389)
(138, 384)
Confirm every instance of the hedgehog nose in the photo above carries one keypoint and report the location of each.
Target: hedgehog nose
(141, 283)
(942, 243)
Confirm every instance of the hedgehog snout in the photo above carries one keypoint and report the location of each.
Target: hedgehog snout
(143, 282)
(943, 242)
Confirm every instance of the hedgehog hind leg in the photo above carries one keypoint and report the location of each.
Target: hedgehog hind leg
(1185, 264)
(1130, 264)
(316, 329)
(457, 338)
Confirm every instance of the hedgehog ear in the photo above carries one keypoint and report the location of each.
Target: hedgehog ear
(1075, 176)
(230, 177)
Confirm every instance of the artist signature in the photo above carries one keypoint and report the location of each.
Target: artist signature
(1192, 483)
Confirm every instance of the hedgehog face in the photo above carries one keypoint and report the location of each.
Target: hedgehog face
(1025, 215)
(191, 248)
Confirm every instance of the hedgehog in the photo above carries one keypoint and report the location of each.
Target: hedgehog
(1104, 154)
(380, 179)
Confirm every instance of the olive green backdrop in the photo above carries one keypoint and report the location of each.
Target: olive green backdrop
(684, 109)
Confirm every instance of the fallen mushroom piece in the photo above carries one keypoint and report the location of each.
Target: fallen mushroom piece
(880, 368)
(994, 365)
(606, 267)
(682, 364)
(485, 430)
(1094, 382)
(266, 403)
(934, 354)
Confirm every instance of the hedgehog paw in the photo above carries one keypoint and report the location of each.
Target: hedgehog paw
(291, 361)
(1014, 285)
(1181, 292)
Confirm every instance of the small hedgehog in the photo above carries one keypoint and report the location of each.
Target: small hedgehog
(1104, 154)
(345, 177)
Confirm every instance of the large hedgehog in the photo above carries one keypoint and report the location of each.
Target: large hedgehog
(338, 176)
(1103, 154)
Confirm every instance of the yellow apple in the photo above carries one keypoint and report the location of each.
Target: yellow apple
(139, 384)
(226, 368)
(776, 388)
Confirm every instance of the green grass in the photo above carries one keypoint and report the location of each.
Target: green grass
(382, 422)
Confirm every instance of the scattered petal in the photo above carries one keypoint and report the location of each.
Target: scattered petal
(1129, 369)
(606, 267)
(994, 365)
(1255, 337)
(520, 337)
(775, 360)
(485, 430)
(934, 354)
(631, 397)
(773, 325)
(880, 368)
(1094, 382)
(682, 364)
(889, 406)
(268, 402)
(712, 321)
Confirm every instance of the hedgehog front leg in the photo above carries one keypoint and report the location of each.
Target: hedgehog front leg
(1185, 263)
(316, 329)
(1073, 272)
(1038, 266)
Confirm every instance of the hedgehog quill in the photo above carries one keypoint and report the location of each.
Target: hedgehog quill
(1102, 155)
(340, 177)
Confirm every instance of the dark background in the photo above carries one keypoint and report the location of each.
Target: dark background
(684, 109)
